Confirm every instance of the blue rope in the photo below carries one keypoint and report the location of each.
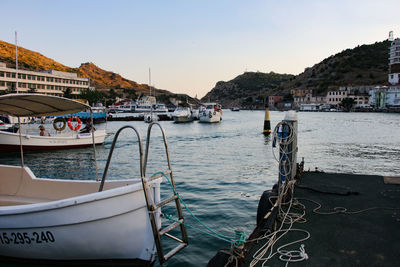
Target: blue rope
(239, 239)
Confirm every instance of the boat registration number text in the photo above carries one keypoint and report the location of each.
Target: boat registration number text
(18, 238)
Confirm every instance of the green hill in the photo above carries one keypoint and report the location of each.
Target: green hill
(362, 65)
(246, 87)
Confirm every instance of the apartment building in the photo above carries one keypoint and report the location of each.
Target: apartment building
(394, 62)
(383, 97)
(336, 97)
(49, 82)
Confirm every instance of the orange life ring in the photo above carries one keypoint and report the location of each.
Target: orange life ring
(71, 119)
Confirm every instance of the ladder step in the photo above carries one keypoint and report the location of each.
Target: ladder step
(174, 238)
(154, 177)
(165, 202)
(170, 227)
(174, 251)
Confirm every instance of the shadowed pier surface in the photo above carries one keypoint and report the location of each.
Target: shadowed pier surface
(357, 222)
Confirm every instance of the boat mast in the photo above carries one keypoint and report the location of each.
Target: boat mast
(16, 62)
(151, 105)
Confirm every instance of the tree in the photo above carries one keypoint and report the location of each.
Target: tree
(68, 92)
(92, 96)
(130, 93)
(288, 97)
(347, 103)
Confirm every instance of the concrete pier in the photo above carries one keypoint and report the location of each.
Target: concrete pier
(352, 220)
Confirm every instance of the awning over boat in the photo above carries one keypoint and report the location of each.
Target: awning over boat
(36, 105)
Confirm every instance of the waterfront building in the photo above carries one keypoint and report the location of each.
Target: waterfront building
(334, 98)
(383, 97)
(300, 92)
(357, 89)
(49, 82)
(394, 62)
(360, 100)
(274, 99)
(308, 99)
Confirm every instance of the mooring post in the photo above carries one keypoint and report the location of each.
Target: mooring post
(267, 123)
(287, 134)
(291, 119)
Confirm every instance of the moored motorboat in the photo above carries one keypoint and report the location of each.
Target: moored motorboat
(10, 141)
(183, 114)
(210, 112)
(61, 139)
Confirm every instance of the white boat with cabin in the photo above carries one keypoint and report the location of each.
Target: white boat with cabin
(73, 220)
(32, 140)
(210, 112)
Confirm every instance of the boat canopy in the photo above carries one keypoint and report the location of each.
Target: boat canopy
(37, 105)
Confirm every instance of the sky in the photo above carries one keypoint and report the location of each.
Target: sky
(191, 45)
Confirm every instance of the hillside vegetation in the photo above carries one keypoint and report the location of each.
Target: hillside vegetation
(362, 65)
(245, 88)
(99, 78)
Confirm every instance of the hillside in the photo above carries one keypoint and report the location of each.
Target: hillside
(29, 60)
(102, 79)
(362, 65)
(250, 85)
(99, 78)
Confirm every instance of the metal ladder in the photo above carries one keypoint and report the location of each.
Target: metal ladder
(153, 208)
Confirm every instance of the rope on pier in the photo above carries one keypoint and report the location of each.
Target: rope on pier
(283, 137)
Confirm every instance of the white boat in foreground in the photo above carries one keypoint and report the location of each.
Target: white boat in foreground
(210, 112)
(70, 220)
(91, 220)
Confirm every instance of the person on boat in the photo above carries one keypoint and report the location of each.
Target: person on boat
(88, 127)
(43, 131)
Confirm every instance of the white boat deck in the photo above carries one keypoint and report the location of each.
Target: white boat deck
(19, 186)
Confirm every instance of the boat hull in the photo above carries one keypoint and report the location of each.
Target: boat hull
(11, 141)
(112, 224)
(210, 116)
(179, 119)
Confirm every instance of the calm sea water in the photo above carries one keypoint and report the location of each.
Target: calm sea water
(222, 169)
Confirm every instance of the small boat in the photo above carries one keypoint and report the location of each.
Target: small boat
(73, 220)
(235, 109)
(183, 114)
(150, 117)
(210, 112)
(11, 140)
(5, 123)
